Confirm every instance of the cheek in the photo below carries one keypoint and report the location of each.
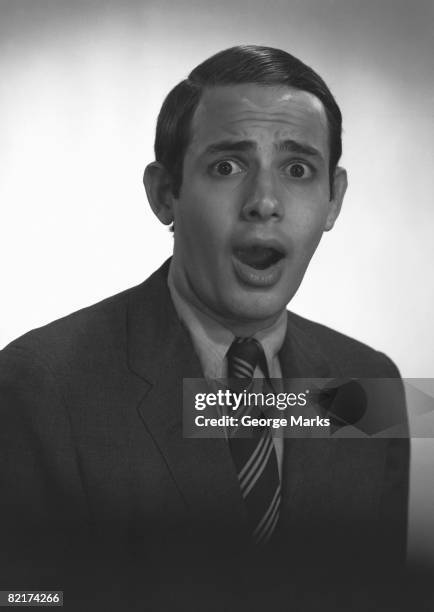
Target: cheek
(305, 228)
(311, 203)
(309, 218)
(204, 222)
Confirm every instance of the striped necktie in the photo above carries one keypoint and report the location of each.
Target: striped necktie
(254, 457)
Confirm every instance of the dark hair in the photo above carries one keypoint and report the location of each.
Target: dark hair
(241, 64)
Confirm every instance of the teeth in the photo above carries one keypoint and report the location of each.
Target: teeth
(258, 257)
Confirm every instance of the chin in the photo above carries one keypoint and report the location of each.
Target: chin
(257, 308)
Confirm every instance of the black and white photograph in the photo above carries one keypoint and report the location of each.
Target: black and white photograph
(216, 336)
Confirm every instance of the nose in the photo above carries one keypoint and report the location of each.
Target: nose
(262, 201)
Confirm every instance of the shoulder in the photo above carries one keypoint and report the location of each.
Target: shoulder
(343, 353)
(84, 330)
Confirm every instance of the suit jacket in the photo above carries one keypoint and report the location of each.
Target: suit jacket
(96, 475)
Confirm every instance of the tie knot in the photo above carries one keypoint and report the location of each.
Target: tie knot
(243, 357)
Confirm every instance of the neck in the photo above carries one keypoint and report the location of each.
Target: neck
(240, 328)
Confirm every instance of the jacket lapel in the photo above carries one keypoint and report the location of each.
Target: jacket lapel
(300, 356)
(304, 459)
(162, 354)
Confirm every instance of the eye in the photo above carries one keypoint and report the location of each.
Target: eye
(299, 170)
(226, 167)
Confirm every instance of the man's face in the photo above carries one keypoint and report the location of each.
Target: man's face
(254, 201)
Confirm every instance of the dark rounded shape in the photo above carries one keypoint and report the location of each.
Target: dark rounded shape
(224, 168)
(297, 171)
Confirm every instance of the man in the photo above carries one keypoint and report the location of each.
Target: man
(96, 468)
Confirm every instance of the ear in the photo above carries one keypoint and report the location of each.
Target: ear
(158, 187)
(339, 188)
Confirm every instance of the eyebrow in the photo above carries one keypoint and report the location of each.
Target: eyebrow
(298, 147)
(248, 145)
(231, 145)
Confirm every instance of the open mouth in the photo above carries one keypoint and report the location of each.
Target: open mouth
(259, 257)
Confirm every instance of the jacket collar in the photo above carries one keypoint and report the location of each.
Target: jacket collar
(301, 356)
(155, 334)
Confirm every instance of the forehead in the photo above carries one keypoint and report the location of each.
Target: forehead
(265, 114)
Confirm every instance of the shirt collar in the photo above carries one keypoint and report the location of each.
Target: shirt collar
(212, 340)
